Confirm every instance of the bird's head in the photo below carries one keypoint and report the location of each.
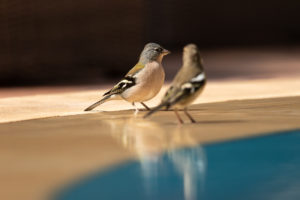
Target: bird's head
(191, 56)
(191, 53)
(153, 52)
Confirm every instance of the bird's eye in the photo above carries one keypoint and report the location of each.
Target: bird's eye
(158, 49)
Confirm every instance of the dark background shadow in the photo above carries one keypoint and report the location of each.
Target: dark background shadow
(75, 42)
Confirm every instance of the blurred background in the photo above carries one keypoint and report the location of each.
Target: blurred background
(91, 41)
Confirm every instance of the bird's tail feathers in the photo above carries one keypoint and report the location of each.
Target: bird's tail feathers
(98, 103)
(157, 108)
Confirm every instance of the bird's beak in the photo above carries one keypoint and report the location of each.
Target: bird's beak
(166, 52)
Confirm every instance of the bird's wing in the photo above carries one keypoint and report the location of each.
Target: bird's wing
(124, 84)
(127, 82)
(180, 92)
(138, 67)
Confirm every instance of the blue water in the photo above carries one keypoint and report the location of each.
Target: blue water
(257, 168)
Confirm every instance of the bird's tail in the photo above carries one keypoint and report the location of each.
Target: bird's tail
(157, 108)
(98, 103)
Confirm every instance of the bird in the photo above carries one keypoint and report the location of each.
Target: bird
(187, 85)
(142, 82)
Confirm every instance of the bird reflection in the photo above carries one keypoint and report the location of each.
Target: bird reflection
(162, 152)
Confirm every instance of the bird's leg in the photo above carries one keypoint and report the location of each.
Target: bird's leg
(136, 109)
(188, 115)
(143, 104)
(178, 117)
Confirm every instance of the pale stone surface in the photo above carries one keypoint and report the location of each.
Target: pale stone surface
(39, 156)
(75, 101)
